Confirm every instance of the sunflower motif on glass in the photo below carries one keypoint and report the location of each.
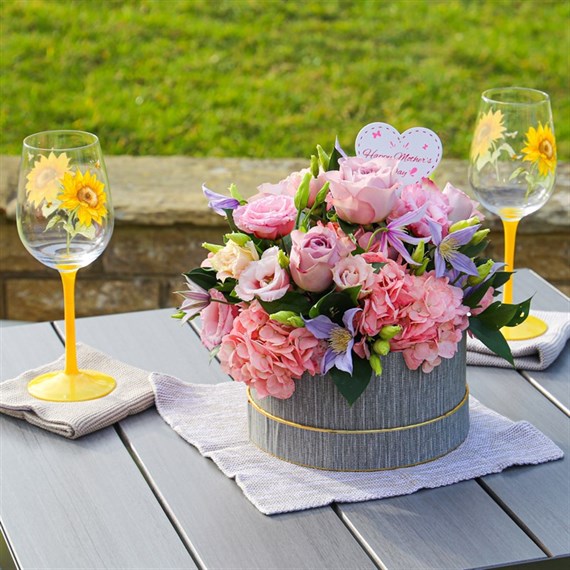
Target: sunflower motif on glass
(44, 180)
(540, 149)
(489, 129)
(85, 196)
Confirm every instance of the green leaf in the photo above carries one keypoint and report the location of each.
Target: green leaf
(234, 193)
(291, 301)
(334, 304)
(53, 221)
(334, 158)
(324, 158)
(522, 312)
(346, 227)
(205, 278)
(491, 338)
(353, 292)
(351, 387)
(474, 250)
(377, 265)
(497, 314)
(87, 231)
(500, 278)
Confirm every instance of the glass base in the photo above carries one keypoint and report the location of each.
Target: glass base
(530, 328)
(61, 387)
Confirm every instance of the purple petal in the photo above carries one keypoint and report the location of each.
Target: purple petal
(219, 202)
(462, 237)
(343, 361)
(462, 263)
(435, 230)
(328, 361)
(320, 327)
(399, 247)
(439, 264)
(409, 218)
(403, 236)
(348, 319)
(339, 148)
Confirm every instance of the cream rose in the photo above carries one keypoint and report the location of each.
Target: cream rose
(232, 259)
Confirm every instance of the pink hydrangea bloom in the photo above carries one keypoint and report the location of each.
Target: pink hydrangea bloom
(432, 324)
(388, 298)
(268, 355)
(413, 197)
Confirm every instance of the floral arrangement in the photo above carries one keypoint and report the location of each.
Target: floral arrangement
(334, 267)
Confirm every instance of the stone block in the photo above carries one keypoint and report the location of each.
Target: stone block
(158, 250)
(33, 300)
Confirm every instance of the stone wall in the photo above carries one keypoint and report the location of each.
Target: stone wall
(162, 218)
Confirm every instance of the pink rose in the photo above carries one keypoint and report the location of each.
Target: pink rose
(264, 279)
(268, 355)
(352, 271)
(289, 186)
(314, 255)
(267, 217)
(461, 206)
(217, 320)
(413, 197)
(363, 191)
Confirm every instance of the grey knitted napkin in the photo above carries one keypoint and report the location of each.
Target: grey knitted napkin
(213, 418)
(132, 395)
(533, 354)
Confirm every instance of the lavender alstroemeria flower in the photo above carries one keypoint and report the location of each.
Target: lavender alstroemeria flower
(219, 202)
(195, 299)
(447, 249)
(394, 235)
(340, 340)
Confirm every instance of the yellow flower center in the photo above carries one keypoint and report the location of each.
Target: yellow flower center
(339, 340)
(87, 196)
(447, 247)
(545, 148)
(45, 177)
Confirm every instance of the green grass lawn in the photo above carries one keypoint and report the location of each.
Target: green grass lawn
(271, 78)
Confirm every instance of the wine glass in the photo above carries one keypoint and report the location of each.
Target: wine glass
(512, 169)
(65, 220)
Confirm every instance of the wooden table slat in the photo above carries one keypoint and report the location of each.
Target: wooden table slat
(555, 381)
(75, 504)
(222, 527)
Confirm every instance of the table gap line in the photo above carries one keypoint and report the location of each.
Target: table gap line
(6, 549)
(369, 551)
(160, 498)
(513, 516)
(537, 386)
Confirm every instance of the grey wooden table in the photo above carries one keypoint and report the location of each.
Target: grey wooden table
(135, 495)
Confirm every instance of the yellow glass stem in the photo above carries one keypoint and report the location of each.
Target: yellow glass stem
(68, 280)
(510, 228)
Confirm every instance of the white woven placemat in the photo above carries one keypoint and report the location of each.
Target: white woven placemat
(533, 354)
(213, 418)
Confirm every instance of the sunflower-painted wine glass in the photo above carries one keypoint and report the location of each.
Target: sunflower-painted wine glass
(65, 220)
(512, 169)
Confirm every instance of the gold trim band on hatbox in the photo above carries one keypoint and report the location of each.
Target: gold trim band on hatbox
(265, 413)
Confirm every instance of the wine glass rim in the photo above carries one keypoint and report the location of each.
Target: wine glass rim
(540, 97)
(94, 140)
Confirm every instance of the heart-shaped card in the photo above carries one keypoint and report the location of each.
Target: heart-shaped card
(418, 149)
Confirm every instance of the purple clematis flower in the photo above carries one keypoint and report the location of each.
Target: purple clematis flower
(394, 235)
(340, 340)
(339, 148)
(219, 202)
(195, 299)
(447, 249)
